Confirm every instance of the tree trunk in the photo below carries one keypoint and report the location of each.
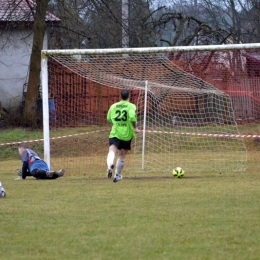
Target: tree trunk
(39, 27)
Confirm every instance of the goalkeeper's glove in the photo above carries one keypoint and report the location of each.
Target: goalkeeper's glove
(19, 172)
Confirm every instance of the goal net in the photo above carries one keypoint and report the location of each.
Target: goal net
(185, 115)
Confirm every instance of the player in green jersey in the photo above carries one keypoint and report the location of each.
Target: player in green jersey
(122, 115)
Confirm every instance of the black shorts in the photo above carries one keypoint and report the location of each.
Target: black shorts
(120, 144)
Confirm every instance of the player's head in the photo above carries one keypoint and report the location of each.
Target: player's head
(125, 94)
(22, 147)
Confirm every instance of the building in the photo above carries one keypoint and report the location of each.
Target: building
(16, 37)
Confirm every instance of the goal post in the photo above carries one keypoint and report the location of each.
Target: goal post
(45, 110)
(188, 102)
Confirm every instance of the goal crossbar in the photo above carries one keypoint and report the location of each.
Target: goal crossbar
(200, 48)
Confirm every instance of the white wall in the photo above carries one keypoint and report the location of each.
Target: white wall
(15, 51)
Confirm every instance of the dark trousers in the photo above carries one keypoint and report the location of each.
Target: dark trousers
(41, 174)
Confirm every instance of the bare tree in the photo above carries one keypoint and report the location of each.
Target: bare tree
(98, 24)
(72, 31)
(39, 28)
(250, 15)
(241, 19)
(185, 23)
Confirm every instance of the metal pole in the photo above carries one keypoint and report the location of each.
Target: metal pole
(45, 109)
(144, 123)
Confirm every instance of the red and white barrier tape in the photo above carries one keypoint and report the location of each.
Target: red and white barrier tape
(53, 138)
(204, 134)
(147, 131)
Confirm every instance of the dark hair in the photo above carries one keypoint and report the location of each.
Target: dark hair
(23, 145)
(125, 94)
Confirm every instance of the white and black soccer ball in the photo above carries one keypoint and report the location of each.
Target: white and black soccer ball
(178, 172)
(2, 191)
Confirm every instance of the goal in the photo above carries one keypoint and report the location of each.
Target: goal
(188, 105)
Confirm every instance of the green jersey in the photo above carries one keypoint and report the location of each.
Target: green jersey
(121, 115)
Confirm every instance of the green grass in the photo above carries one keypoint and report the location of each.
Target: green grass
(22, 134)
(80, 216)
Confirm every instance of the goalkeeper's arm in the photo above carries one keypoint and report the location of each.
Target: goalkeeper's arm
(25, 169)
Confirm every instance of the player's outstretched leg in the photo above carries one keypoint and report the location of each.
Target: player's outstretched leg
(49, 174)
(119, 167)
(61, 172)
(42, 174)
(110, 161)
(110, 171)
(117, 177)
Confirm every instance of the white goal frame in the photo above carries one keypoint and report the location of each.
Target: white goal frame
(44, 70)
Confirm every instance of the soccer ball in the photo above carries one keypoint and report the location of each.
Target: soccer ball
(2, 191)
(178, 172)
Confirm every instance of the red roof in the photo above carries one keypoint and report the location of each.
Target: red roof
(20, 11)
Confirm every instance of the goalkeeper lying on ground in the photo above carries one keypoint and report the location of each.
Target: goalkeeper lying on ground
(33, 165)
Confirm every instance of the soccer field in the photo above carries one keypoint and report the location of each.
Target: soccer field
(203, 216)
(148, 215)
